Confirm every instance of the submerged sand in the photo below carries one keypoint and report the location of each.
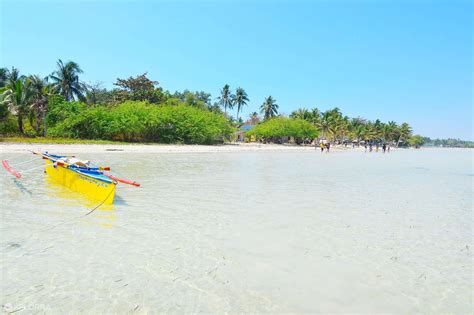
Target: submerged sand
(244, 232)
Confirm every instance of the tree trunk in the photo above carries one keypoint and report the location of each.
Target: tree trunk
(44, 124)
(398, 142)
(20, 123)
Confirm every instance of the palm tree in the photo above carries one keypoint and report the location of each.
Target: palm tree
(240, 99)
(302, 113)
(315, 116)
(269, 108)
(225, 100)
(392, 131)
(40, 92)
(17, 96)
(3, 77)
(254, 119)
(359, 132)
(405, 132)
(9, 77)
(66, 80)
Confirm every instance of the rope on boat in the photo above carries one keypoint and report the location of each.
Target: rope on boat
(31, 169)
(24, 162)
(100, 204)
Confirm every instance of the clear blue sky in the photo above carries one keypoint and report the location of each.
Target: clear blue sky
(394, 60)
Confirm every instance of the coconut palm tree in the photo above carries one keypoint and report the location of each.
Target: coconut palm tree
(240, 99)
(66, 80)
(269, 108)
(392, 131)
(3, 77)
(302, 113)
(359, 133)
(225, 99)
(254, 119)
(41, 90)
(16, 96)
(315, 116)
(405, 132)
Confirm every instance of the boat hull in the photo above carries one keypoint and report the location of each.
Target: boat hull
(89, 186)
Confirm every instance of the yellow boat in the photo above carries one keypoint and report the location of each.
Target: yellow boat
(79, 176)
(92, 183)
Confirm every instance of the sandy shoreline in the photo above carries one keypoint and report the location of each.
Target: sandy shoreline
(154, 148)
(16, 147)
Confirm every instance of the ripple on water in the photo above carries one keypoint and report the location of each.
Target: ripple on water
(247, 232)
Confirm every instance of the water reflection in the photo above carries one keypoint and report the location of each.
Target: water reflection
(22, 187)
(103, 216)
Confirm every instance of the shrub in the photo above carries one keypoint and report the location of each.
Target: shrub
(8, 126)
(140, 121)
(284, 127)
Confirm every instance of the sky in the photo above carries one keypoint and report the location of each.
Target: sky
(407, 61)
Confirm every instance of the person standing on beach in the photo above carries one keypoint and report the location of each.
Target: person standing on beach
(388, 148)
(384, 147)
(321, 145)
(328, 146)
(365, 146)
(370, 147)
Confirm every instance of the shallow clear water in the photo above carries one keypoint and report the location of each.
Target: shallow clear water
(246, 232)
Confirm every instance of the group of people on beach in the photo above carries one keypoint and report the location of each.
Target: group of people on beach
(385, 147)
(370, 146)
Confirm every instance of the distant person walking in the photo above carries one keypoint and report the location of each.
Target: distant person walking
(384, 147)
(321, 145)
(388, 148)
(370, 147)
(328, 146)
(365, 146)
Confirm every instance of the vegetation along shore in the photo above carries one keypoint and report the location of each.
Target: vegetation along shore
(60, 108)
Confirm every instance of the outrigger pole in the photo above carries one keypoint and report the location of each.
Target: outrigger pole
(9, 169)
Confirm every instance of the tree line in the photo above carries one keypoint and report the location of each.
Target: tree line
(138, 109)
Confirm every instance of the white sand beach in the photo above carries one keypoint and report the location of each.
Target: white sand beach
(7, 147)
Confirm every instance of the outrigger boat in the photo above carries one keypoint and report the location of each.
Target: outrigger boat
(95, 182)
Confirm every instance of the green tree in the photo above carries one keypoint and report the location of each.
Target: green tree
(40, 90)
(240, 99)
(66, 80)
(273, 129)
(3, 77)
(416, 141)
(96, 94)
(404, 132)
(302, 113)
(139, 88)
(269, 108)
(225, 99)
(17, 97)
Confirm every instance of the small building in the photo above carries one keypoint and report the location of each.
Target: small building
(239, 135)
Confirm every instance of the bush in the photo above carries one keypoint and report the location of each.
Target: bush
(284, 127)
(8, 126)
(59, 109)
(140, 121)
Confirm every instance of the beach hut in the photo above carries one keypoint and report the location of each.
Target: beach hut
(240, 133)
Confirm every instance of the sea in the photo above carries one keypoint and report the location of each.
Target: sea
(244, 232)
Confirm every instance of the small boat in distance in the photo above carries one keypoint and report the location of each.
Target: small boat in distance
(78, 175)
